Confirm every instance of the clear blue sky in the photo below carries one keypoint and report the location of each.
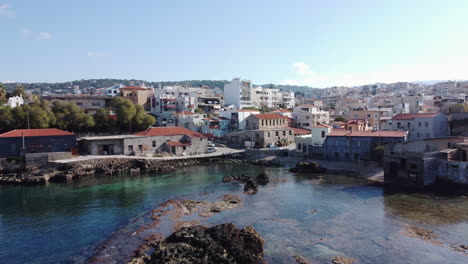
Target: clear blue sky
(318, 43)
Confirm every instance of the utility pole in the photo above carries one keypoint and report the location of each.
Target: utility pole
(27, 114)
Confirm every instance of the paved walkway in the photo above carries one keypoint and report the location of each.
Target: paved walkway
(219, 152)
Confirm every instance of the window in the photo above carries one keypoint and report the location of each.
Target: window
(307, 117)
(268, 134)
(299, 145)
(140, 148)
(284, 133)
(417, 134)
(398, 125)
(356, 156)
(419, 124)
(323, 134)
(276, 133)
(368, 115)
(355, 116)
(428, 135)
(427, 124)
(347, 155)
(184, 147)
(154, 143)
(346, 143)
(130, 148)
(358, 143)
(409, 125)
(403, 163)
(337, 155)
(390, 123)
(290, 132)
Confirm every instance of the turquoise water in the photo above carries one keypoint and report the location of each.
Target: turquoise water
(66, 222)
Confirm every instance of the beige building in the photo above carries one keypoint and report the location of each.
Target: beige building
(263, 130)
(90, 103)
(307, 116)
(138, 95)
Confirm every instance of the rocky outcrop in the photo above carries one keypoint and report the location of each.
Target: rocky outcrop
(221, 244)
(236, 178)
(300, 260)
(262, 179)
(342, 260)
(251, 187)
(308, 167)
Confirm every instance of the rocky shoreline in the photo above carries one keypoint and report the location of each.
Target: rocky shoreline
(61, 172)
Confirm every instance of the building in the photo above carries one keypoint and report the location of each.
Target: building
(189, 120)
(372, 117)
(282, 112)
(90, 103)
(155, 140)
(237, 117)
(307, 116)
(320, 133)
(238, 93)
(424, 162)
(359, 145)
(169, 100)
(215, 127)
(138, 95)
(15, 101)
(267, 97)
(263, 130)
(421, 125)
(19, 142)
(209, 104)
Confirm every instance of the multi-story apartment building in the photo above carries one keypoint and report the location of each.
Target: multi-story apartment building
(238, 93)
(445, 88)
(421, 125)
(373, 117)
(307, 116)
(272, 97)
(172, 99)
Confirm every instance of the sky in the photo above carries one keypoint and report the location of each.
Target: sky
(298, 42)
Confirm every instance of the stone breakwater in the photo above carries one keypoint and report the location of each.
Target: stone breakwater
(54, 172)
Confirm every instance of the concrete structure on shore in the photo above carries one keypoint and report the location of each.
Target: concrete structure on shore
(155, 140)
(422, 163)
(19, 142)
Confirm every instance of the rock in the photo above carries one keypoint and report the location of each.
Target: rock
(251, 187)
(308, 167)
(342, 260)
(422, 233)
(238, 178)
(198, 244)
(300, 259)
(313, 211)
(262, 179)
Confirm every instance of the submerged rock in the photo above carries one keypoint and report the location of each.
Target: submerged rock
(198, 244)
(308, 167)
(262, 179)
(300, 260)
(342, 260)
(238, 178)
(251, 187)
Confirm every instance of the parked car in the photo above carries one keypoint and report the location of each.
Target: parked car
(210, 150)
(211, 144)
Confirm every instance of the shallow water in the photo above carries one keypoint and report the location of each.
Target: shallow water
(66, 222)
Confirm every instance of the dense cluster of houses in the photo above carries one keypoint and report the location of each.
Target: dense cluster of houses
(338, 123)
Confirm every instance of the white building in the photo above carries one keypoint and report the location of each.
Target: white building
(113, 90)
(319, 133)
(238, 117)
(272, 97)
(307, 116)
(15, 101)
(170, 100)
(239, 93)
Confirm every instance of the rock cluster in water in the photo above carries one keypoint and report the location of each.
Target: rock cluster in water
(308, 167)
(221, 244)
(251, 185)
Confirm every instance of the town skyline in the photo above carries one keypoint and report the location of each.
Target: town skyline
(306, 43)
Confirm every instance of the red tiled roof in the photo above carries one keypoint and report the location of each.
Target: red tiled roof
(355, 121)
(362, 133)
(168, 131)
(323, 126)
(338, 122)
(134, 88)
(269, 116)
(300, 131)
(177, 143)
(36, 133)
(413, 116)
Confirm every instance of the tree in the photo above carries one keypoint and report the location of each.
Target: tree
(265, 109)
(125, 110)
(142, 120)
(378, 152)
(19, 91)
(104, 123)
(199, 111)
(71, 117)
(7, 122)
(3, 94)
